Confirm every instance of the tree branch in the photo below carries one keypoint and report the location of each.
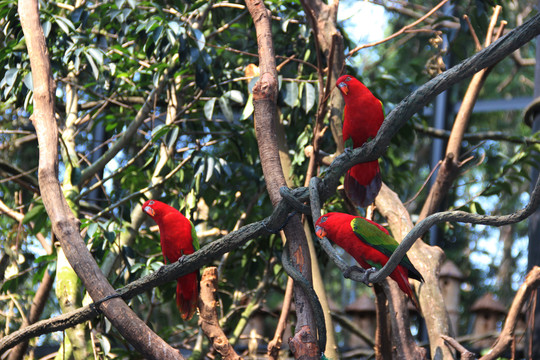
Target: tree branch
(532, 281)
(304, 342)
(208, 318)
(478, 136)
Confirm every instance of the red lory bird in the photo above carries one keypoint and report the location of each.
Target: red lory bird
(369, 244)
(362, 117)
(178, 238)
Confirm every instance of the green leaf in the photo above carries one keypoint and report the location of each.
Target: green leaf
(290, 93)
(209, 108)
(105, 344)
(309, 97)
(37, 210)
(97, 54)
(199, 38)
(65, 24)
(159, 131)
(235, 95)
(28, 81)
(95, 70)
(248, 109)
(226, 109)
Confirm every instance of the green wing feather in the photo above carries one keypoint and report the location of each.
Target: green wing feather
(194, 238)
(371, 235)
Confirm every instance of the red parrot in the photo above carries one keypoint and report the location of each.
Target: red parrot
(362, 117)
(369, 244)
(178, 238)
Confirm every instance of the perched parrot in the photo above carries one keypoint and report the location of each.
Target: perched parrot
(369, 244)
(178, 238)
(362, 118)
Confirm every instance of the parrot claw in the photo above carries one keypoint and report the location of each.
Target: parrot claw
(181, 259)
(365, 273)
(368, 272)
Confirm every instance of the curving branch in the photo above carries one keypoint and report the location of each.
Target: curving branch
(508, 333)
(423, 226)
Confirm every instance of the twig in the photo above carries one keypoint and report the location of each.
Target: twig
(465, 354)
(208, 318)
(275, 344)
(400, 31)
(479, 136)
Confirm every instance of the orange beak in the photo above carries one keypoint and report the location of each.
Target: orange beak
(149, 211)
(320, 232)
(343, 88)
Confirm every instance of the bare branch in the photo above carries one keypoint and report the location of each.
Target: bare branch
(208, 318)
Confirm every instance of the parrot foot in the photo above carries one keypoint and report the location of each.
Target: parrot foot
(365, 273)
(181, 259)
(368, 272)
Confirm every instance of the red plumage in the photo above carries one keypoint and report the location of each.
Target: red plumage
(369, 244)
(177, 238)
(362, 117)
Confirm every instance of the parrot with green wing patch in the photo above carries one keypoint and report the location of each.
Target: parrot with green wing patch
(363, 115)
(369, 244)
(177, 238)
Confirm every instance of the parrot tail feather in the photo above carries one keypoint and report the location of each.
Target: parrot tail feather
(187, 295)
(400, 275)
(363, 182)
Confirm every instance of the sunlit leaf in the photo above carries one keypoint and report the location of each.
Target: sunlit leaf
(309, 97)
(290, 93)
(209, 108)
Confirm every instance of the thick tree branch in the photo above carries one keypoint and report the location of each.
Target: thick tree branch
(304, 343)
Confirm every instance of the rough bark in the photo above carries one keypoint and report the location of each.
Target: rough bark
(208, 317)
(304, 342)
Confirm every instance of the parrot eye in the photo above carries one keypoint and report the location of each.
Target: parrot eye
(151, 202)
(324, 218)
(348, 78)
